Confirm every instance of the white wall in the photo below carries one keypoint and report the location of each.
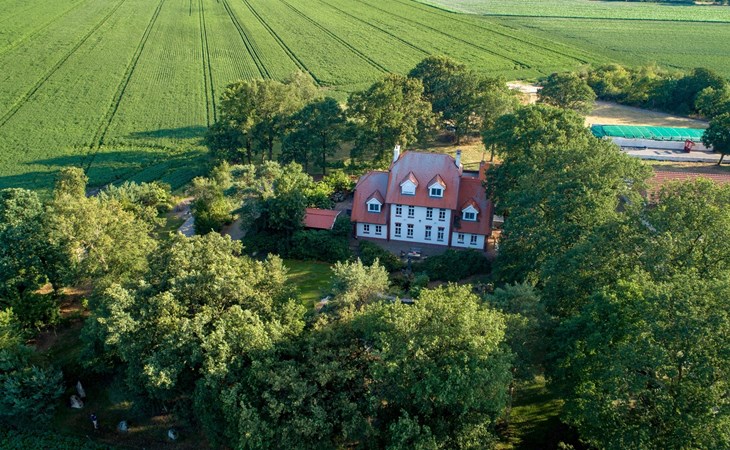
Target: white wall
(360, 231)
(419, 225)
(467, 241)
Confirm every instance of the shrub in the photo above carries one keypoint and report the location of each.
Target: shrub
(320, 246)
(454, 265)
(36, 310)
(370, 251)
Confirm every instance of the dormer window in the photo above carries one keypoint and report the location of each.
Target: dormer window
(469, 213)
(409, 184)
(374, 204)
(436, 187)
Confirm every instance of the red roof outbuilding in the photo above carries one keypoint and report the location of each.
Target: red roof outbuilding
(320, 219)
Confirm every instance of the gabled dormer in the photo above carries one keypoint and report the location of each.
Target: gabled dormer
(470, 211)
(436, 187)
(375, 202)
(409, 184)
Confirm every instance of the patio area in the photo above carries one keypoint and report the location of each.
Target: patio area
(402, 248)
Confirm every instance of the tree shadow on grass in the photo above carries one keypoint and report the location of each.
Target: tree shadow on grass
(193, 132)
(115, 166)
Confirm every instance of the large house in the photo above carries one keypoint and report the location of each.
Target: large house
(425, 198)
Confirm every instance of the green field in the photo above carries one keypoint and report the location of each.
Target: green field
(126, 88)
(587, 9)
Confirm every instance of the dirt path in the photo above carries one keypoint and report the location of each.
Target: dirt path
(607, 113)
(182, 211)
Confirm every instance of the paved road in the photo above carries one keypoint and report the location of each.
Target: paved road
(657, 154)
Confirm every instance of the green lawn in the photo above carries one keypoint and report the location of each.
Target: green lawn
(535, 423)
(312, 278)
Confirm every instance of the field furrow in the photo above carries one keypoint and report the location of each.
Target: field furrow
(247, 41)
(207, 71)
(334, 37)
(27, 66)
(316, 49)
(229, 55)
(168, 81)
(98, 140)
(17, 28)
(488, 27)
(57, 125)
(432, 42)
(252, 16)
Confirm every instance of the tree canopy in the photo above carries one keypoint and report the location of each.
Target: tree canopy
(392, 111)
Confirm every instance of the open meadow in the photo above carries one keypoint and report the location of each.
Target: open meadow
(126, 88)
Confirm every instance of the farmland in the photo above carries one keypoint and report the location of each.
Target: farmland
(126, 88)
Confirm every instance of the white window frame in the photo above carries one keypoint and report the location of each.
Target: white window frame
(374, 207)
(442, 215)
(409, 231)
(436, 191)
(398, 229)
(411, 212)
(398, 210)
(473, 240)
(378, 229)
(469, 216)
(427, 235)
(429, 213)
(440, 234)
(366, 228)
(460, 238)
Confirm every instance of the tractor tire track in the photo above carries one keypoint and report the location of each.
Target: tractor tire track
(207, 69)
(454, 17)
(522, 64)
(247, 41)
(25, 97)
(329, 33)
(38, 30)
(111, 112)
(298, 62)
(382, 30)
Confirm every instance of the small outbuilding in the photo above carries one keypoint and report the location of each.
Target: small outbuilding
(320, 219)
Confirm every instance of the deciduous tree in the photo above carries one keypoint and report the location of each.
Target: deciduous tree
(568, 90)
(717, 135)
(392, 111)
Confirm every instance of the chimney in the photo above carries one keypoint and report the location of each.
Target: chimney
(458, 159)
(396, 153)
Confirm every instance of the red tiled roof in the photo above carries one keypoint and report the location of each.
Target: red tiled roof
(412, 178)
(471, 202)
(371, 184)
(436, 179)
(472, 192)
(663, 176)
(322, 219)
(425, 166)
(377, 196)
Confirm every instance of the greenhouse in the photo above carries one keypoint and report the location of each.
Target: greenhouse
(649, 133)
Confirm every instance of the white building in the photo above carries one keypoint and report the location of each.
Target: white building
(424, 198)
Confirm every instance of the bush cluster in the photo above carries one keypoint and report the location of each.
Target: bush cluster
(453, 265)
(369, 252)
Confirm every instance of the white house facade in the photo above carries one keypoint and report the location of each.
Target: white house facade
(424, 198)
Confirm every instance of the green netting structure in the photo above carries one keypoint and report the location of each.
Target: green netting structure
(652, 133)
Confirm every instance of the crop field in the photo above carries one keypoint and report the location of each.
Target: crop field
(673, 36)
(587, 9)
(126, 88)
